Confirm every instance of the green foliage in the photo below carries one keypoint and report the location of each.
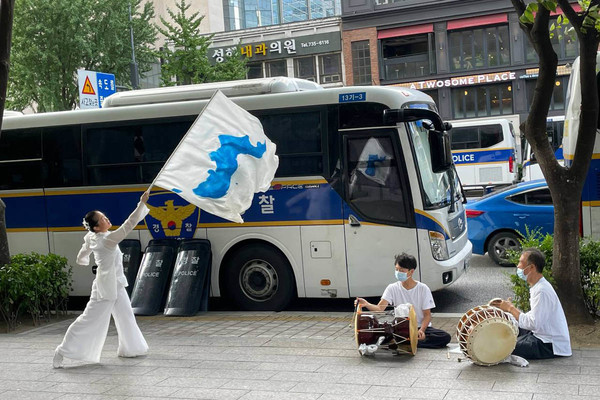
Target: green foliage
(52, 39)
(589, 253)
(36, 284)
(185, 53)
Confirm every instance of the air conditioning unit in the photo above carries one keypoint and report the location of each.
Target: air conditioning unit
(330, 78)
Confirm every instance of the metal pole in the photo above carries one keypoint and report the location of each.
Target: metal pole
(135, 82)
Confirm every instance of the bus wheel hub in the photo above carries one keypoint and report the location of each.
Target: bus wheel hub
(258, 280)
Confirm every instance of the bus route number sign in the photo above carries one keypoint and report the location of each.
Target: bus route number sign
(349, 97)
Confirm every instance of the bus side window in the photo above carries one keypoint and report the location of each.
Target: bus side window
(464, 138)
(62, 156)
(299, 139)
(374, 184)
(20, 153)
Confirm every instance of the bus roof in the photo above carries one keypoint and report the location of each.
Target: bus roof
(392, 97)
(202, 91)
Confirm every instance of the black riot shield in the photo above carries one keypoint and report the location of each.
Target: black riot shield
(154, 275)
(132, 255)
(190, 284)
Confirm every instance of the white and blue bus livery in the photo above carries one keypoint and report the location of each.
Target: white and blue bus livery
(351, 190)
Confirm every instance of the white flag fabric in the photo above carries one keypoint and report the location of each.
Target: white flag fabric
(222, 161)
(374, 162)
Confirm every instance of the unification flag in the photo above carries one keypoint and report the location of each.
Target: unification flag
(221, 161)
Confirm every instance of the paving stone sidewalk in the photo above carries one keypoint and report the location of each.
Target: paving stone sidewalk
(287, 355)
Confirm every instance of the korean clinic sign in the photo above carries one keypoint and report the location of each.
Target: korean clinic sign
(461, 81)
(280, 48)
(94, 87)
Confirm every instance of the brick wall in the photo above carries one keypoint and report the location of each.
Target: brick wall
(354, 36)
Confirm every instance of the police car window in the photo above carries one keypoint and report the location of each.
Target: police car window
(464, 138)
(490, 135)
(539, 197)
(518, 198)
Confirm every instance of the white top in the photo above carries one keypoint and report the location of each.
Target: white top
(546, 320)
(107, 254)
(419, 296)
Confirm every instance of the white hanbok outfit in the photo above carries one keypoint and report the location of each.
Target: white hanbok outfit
(85, 337)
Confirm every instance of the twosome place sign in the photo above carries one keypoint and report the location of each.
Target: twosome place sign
(280, 48)
(461, 81)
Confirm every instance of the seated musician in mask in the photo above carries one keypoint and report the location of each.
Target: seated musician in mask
(407, 290)
(543, 331)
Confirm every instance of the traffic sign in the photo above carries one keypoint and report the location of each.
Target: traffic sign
(94, 87)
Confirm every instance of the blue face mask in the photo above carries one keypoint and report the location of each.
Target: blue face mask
(401, 276)
(521, 274)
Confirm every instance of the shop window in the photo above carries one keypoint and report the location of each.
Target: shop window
(479, 48)
(276, 68)
(565, 46)
(361, 62)
(482, 101)
(255, 70)
(559, 94)
(304, 68)
(408, 56)
(330, 68)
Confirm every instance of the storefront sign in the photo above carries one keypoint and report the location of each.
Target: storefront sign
(281, 48)
(460, 81)
(560, 71)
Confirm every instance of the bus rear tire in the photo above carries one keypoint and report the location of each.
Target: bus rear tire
(259, 278)
(499, 244)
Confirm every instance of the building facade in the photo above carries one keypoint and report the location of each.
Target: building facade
(471, 56)
(293, 38)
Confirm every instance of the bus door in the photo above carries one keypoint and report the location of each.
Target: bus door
(378, 222)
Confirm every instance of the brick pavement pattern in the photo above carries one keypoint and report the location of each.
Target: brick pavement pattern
(287, 355)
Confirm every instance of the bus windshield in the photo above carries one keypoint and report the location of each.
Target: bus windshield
(436, 186)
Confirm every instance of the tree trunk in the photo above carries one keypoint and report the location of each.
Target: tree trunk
(4, 251)
(6, 18)
(565, 264)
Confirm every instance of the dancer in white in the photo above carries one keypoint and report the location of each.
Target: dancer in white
(85, 337)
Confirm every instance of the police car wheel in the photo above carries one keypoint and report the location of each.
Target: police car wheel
(500, 244)
(259, 278)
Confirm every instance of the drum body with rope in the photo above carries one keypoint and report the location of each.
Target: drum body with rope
(391, 333)
(487, 335)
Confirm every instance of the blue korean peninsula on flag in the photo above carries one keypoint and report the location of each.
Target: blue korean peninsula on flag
(221, 161)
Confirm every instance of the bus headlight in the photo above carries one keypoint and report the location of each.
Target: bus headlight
(438, 246)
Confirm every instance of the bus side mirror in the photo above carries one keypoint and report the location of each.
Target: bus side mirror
(439, 139)
(441, 152)
(393, 116)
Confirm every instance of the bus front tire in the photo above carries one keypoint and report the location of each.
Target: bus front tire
(259, 278)
(499, 244)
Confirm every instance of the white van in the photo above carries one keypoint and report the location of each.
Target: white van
(484, 152)
(554, 129)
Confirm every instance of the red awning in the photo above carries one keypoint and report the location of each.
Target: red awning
(405, 31)
(477, 21)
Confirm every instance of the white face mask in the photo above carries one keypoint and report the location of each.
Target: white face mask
(401, 276)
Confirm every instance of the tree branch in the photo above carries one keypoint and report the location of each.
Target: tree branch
(519, 6)
(574, 19)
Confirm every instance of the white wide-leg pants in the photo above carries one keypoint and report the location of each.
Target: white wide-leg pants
(85, 337)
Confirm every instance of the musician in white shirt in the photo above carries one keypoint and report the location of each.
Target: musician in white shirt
(408, 290)
(85, 337)
(543, 331)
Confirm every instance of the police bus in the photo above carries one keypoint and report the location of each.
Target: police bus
(590, 197)
(485, 153)
(364, 173)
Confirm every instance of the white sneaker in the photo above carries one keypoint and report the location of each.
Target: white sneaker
(57, 361)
